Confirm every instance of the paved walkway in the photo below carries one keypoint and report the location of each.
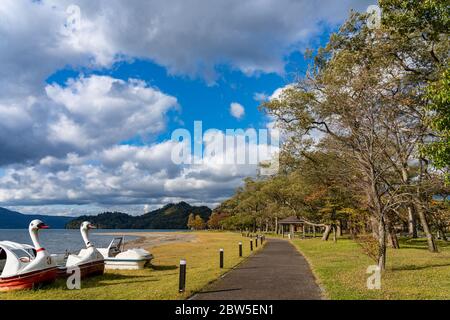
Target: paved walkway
(277, 272)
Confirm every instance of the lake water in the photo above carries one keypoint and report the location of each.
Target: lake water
(59, 240)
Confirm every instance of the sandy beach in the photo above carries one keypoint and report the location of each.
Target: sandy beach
(151, 239)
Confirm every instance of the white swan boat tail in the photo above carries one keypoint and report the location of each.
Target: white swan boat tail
(132, 259)
(89, 260)
(23, 266)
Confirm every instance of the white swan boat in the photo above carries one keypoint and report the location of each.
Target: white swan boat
(89, 260)
(131, 259)
(23, 266)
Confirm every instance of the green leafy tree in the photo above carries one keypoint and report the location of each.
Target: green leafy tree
(355, 95)
(439, 107)
(366, 93)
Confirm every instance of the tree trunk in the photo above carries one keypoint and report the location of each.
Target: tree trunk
(381, 244)
(443, 236)
(393, 236)
(334, 233)
(314, 231)
(412, 222)
(339, 229)
(374, 225)
(426, 228)
(276, 225)
(326, 233)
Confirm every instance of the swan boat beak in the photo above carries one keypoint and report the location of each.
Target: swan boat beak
(43, 226)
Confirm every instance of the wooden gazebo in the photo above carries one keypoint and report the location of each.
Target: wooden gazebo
(292, 223)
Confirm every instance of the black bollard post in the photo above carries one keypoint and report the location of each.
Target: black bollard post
(251, 245)
(240, 249)
(182, 282)
(256, 242)
(221, 258)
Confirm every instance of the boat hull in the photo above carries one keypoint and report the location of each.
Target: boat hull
(28, 280)
(90, 269)
(125, 264)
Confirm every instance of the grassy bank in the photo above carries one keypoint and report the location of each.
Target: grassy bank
(159, 282)
(412, 272)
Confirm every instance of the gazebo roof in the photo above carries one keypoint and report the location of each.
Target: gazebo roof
(290, 220)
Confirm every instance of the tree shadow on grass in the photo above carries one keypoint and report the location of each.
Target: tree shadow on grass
(121, 278)
(416, 267)
(103, 284)
(420, 243)
(104, 281)
(216, 291)
(163, 268)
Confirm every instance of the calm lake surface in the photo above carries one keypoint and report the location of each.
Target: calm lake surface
(59, 240)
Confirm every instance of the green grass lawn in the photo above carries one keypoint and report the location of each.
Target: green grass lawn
(412, 272)
(160, 281)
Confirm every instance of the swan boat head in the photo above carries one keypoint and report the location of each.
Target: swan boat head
(88, 255)
(84, 229)
(21, 260)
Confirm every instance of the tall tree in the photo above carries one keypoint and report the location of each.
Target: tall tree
(368, 94)
(416, 36)
(199, 223)
(344, 97)
(439, 149)
(191, 221)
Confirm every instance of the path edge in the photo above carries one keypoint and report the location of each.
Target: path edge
(317, 280)
(225, 274)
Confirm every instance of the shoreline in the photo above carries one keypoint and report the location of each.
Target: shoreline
(149, 240)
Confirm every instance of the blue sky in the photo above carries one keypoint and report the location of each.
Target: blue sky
(92, 91)
(199, 100)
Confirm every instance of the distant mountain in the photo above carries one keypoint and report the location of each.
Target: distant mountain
(16, 220)
(171, 216)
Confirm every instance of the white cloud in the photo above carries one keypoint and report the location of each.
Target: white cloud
(260, 96)
(45, 120)
(237, 110)
(219, 32)
(279, 91)
(124, 176)
(60, 142)
(186, 37)
(84, 115)
(96, 107)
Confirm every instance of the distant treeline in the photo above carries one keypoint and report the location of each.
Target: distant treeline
(171, 216)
